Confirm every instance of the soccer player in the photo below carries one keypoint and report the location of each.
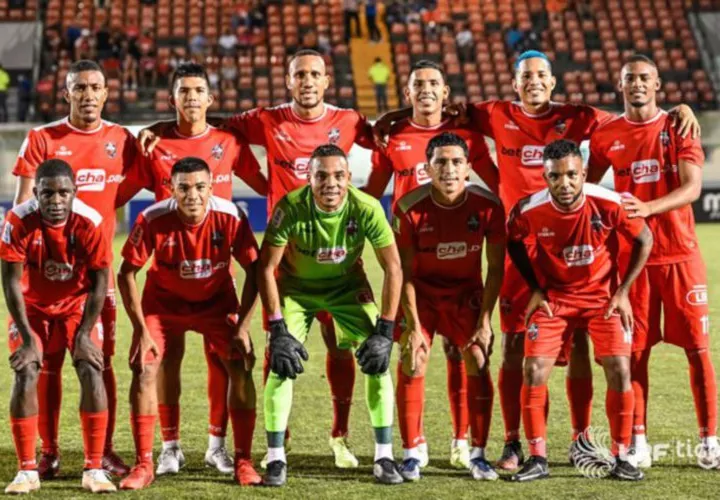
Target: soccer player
(193, 236)
(441, 228)
(404, 161)
(290, 133)
(225, 154)
(316, 237)
(660, 174)
(573, 279)
(99, 153)
(55, 266)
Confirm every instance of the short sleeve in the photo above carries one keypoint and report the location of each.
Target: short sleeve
(245, 247)
(138, 247)
(495, 232)
(131, 152)
(278, 229)
(13, 242)
(629, 228)
(594, 118)
(32, 153)
(97, 248)
(377, 230)
(518, 227)
(482, 163)
(403, 229)
(138, 175)
(690, 150)
(380, 174)
(246, 165)
(249, 125)
(363, 132)
(598, 159)
(480, 114)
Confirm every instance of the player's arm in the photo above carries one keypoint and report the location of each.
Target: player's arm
(689, 191)
(597, 166)
(149, 137)
(381, 128)
(389, 260)
(248, 170)
(685, 121)
(12, 290)
(23, 189)
(84, 349)
(142, 341)
(270, 258)
(380, 175)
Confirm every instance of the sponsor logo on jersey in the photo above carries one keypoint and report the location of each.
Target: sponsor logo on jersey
(533, 331)
(403, 146)
(333, 255)
(136, 235)
(63, 151)
(579, 255)
(546, 233)
(7, 233)
(511, 126)
(451, 250)
(560, 126)
(426, 228)
(301, 167)
(698, 296)
(334, 135)
(278, 217)
(617, 146)
(111, 150)
(421, 175)
(352, 227)
(282, 136)
(94, 179)
(217, 151)
(532, 156)
(645, 171)
(473, 223)
(219, 178)
(196, 269)
(168, 157)
(58, 271)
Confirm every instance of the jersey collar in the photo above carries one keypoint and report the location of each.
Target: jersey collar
(75, 129)
(445, 207)
(192, 137)
(550, 109)
(655, 118)
(305, 120)
(324, 213)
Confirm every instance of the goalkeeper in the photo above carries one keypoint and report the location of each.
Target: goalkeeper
(315, 241)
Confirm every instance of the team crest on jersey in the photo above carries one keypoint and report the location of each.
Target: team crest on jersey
(278, 217)
(217, 151)
(111, 150)
(533, 331)
(334, 135)
(473, 223)
(664, 138)
(352, 227)
(560, 126)
(217, 239)
(596, 222)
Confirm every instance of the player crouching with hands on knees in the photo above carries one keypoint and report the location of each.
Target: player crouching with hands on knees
(573, 225)
(316, 237)
(190, 287)
(55, 266)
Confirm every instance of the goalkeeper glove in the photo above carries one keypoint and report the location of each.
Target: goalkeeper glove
(374, 354)
(285, 351)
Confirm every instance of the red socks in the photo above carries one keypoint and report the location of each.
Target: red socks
(579, 394)
(243, 425)
(619, 409)
(534, 401)
(143, 429)
(410, 396)
(641, 388)
(24, 432)
(341, 377)
(480, 402)
(509, 383)
(169, 421)
(49, 398)
(94, 429)
(217, 389)
(704, 389)
(457, 394)
(111, 390)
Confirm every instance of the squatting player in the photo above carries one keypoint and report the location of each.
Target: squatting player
(99, 153)
(290, 133)
(573, 283)
(404, 161)
(659, 174)
(55, 266)
(193, 236)
(441, 228)
(226, 155)
(315, 240)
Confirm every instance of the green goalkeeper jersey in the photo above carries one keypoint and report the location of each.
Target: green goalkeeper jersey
(322, 246)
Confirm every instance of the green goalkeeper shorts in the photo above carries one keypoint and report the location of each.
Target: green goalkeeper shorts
(351, 305)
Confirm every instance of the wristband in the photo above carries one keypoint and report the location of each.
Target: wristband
(275, 317)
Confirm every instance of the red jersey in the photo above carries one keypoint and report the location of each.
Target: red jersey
(404, 157)
(99, 159)
(575, 254)
(520, 139)
(191, 262)
(224, 153)
(448, 241)
(290, 140)
(645, 157)
(55, 258)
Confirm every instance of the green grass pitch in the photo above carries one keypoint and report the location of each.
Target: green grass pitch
(311, 472)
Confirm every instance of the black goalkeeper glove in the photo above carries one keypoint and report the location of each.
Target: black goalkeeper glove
(285, 351)
(374, 354)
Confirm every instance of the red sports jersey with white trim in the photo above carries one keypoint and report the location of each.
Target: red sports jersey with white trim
(405, 159)
(575, 261)
(290, 140)
(191, 262)
(520, 139)
(644, 158)
(55, 258)
(99, 159)
(223, 151)
(448, 241)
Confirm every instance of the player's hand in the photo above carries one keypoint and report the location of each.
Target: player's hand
(414, 344)
(373, 355)
(620, 303)
(142, 343)
(242, 342)
(537, 301)
(484, 338)
(85, 350)
(285, 351)
(458, 111)
(635, 207)
(381, 131)
(26, 355)
(684, 119)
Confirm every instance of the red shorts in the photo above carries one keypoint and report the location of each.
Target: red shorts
(108, 317)
(54, 327)
(454, 316)
(546, 337)
(680, 292)
(514, 298)
(215, 319)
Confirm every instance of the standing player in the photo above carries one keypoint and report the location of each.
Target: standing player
(290, 133)
(316, 236)
(225, 154)
(660, 175)
(404, 161)
(573, 226)
(99, 153)
(190, 287)
(441, 228)
(55, 264)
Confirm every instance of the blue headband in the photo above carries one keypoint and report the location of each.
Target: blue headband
(529, 54)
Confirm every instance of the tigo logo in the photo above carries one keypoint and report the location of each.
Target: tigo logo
(196, 269)
(645, 171)
(451, 250)
(532, 156)
(580, 255)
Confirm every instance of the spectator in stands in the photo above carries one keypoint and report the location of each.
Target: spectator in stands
(148, 71)
(351, 14)
(227, 43)
(24, 97)
(513, 38)
(371, 21)
(465, 44)
(103, 44)
(240, 17)
(164, 68)
(324, 43)
(244, 39)
(213, 78)
(395, 13)
(145, 43)
(555, 8)
(198, 46)
(45, 88)
(257, 17)
(84, 46)
(73, 32)
(228, 72)
(379, 74)
(309, 41)
(4, 86)
(130, 72)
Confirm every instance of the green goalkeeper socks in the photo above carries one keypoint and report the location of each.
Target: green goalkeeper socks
(278, 402)
(380, 399)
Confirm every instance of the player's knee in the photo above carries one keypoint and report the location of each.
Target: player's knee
(421, 361)
(27, 376)
(617, 372)
(147, 377)
(475, 361)
(87, 373)
(452, 352)
(534, 371)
